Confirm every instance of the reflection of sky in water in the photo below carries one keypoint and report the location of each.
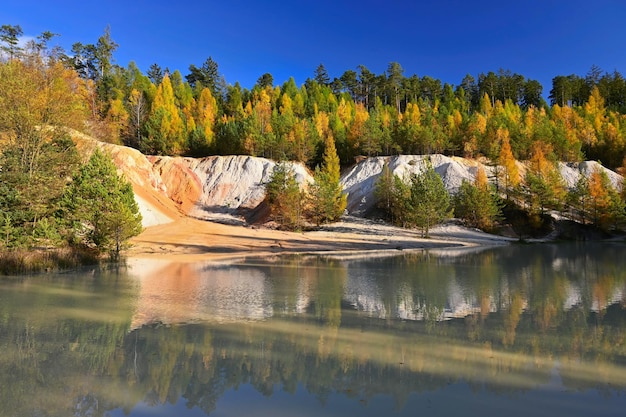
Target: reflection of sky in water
(457, 399)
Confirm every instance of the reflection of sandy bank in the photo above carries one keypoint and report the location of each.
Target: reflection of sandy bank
(184, 292)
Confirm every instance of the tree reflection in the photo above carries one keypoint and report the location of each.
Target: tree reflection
(500, 320)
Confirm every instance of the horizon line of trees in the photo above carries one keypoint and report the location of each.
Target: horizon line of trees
(200, 114)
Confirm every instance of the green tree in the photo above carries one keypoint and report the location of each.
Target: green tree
(207, 76)
(284, 197)
(478, 203)
(321, 75)
(265, 80)
(393, 196)
(155, 73)
(429, 201)
(9, 36)
(100, 204)
(579, 199)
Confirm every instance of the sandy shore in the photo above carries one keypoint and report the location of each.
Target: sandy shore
(188, 239)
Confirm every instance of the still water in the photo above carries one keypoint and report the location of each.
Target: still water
(517, 331)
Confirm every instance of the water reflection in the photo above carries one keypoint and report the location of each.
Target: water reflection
(504, 322)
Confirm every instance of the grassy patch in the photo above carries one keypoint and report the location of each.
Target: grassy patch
(23, 261)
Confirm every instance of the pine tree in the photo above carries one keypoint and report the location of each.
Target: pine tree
(429, 201)
(384, 191)
(100, 206)
(284, 197)
(477, 204)
(9, 36)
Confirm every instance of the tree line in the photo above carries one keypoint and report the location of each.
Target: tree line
(500, 116)
(164, 112)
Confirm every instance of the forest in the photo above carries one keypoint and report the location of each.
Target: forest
(163, 112)
(499, 117)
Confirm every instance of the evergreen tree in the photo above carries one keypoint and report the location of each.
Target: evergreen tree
(478, 204)
(155, 73)
(321, 75)
(391, 193)
(100, 206)
(207, 76)
(579, 199)
(429, 201)
(284, 197)
(9, 37)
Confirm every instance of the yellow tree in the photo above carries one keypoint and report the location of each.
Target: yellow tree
(357, 128)
(205, 114)
(544, 183)
(326, 199)
(476, 129)
(509, 171)
(37, 103)
(410, 129)
(568, 124)
(481, 180)
(300, 141)
(166, 130)
(345, 111)
(607, 206)
(322, 125)
(117, 120)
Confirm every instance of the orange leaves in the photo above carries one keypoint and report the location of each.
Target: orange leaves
(481, 180)
(510, 173)
(357, 128)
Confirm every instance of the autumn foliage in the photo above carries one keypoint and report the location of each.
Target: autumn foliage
(499, 116)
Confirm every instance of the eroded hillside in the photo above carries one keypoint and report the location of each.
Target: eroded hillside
(210, 188)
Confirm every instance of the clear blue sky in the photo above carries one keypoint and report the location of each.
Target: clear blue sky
(538, 39)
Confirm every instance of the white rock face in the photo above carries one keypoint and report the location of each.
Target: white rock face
(150, 215)
(571, 173)
(360, 181)
(167, 186)
(233, 182)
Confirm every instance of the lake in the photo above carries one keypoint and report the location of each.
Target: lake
(518, 330)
